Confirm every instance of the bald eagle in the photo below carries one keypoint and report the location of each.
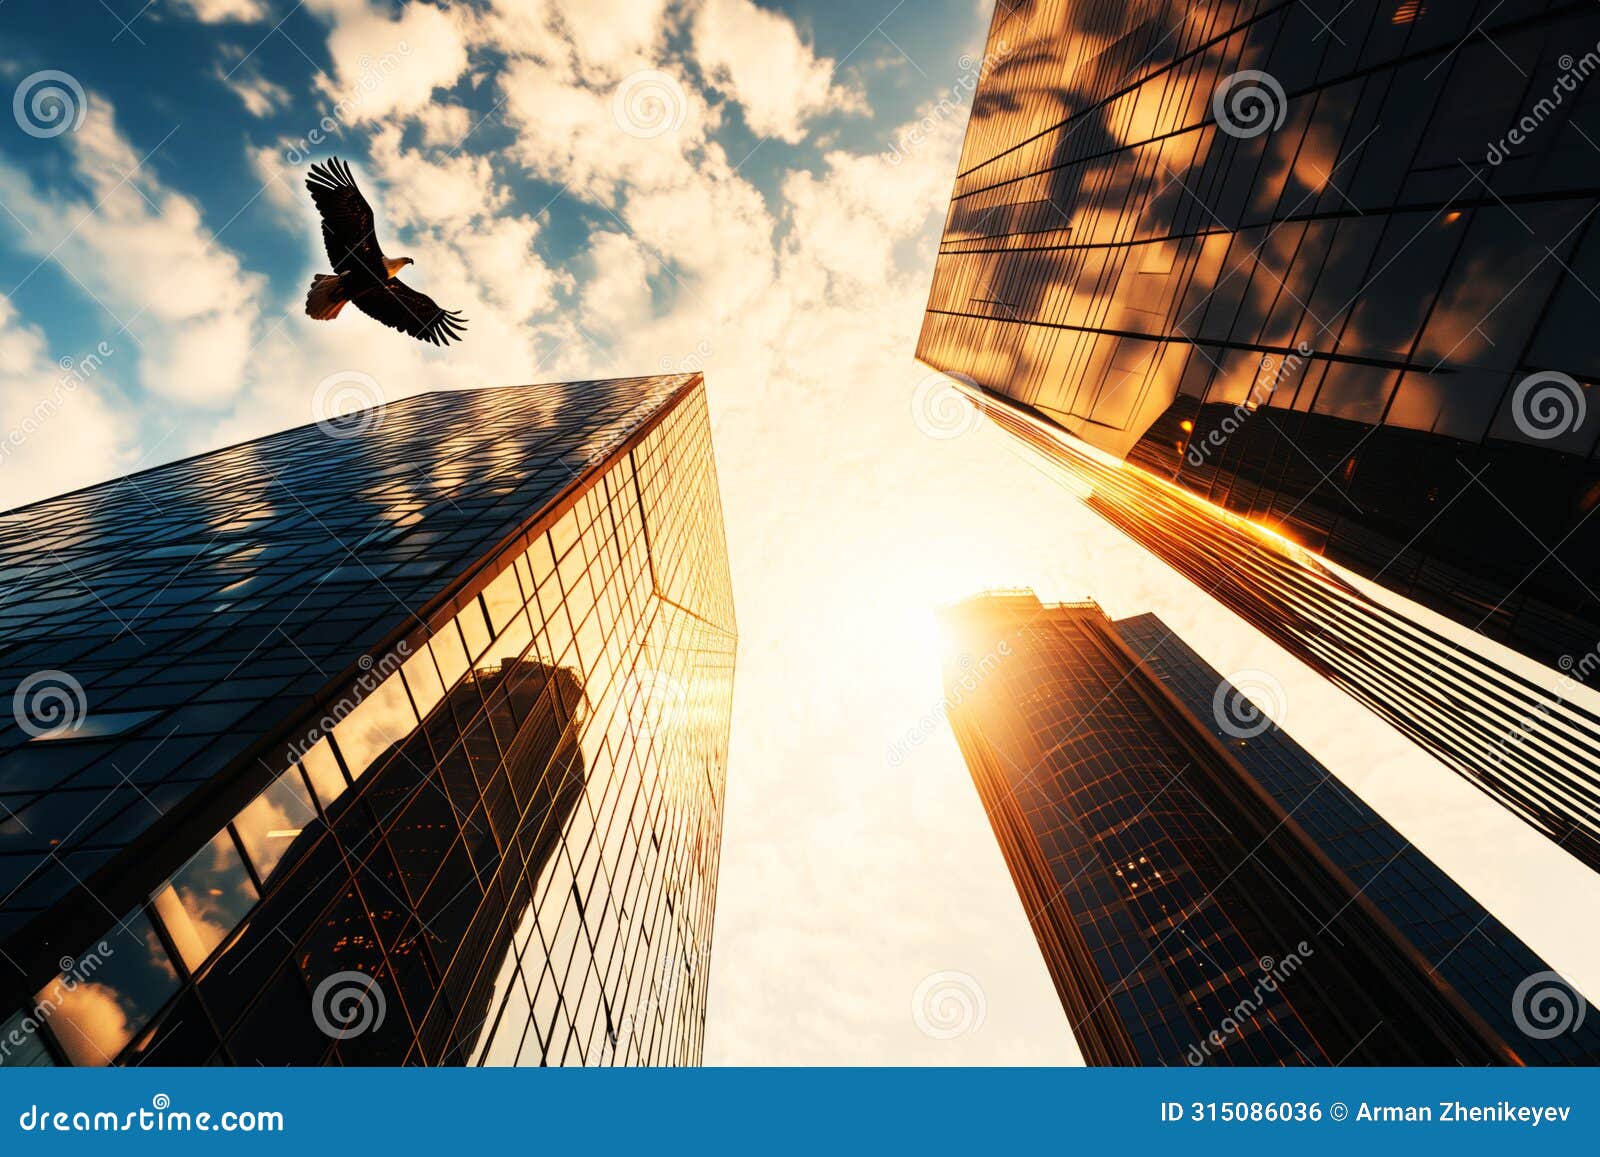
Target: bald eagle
(362, 274)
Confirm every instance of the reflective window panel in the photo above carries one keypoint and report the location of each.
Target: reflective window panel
(487, 833)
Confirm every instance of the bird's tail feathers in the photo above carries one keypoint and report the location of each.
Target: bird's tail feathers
(326, 298)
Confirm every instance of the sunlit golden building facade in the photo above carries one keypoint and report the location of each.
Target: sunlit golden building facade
(1244, 266)
(1202, 890)
(396, 739)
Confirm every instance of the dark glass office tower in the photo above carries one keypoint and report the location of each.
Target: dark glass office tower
(1462, 943)
(399, 738)
(1205, 893)
(1326, 267)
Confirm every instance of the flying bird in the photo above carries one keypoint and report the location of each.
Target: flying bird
(362, 275)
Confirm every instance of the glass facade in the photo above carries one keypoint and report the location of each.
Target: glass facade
(1185, 914)
(450, 685)
(1356, 321)
(1466, 946)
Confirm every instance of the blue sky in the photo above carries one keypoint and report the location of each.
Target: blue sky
(610, 187)
(219, 98)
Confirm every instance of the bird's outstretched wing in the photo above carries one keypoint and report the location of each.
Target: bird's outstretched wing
(400, 307)
(348, 230)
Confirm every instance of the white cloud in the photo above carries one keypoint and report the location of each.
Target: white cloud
(225, 11)
(443, 190)
(261, 97)
(142, 253)
(281, 185)
(62, 429)
(390, 67)
(608, 38)
(849, 219)
(445, 124)
(574, 135)
(617, 292)
(757, 57)
(455, 206)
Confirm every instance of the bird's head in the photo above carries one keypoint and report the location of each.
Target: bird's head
(396, 264)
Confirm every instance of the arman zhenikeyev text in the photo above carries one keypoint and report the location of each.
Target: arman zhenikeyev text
(1454, 1112)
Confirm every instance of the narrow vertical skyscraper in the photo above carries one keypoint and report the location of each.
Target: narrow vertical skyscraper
(1297, 295)
(1203, 891)
(396, 738)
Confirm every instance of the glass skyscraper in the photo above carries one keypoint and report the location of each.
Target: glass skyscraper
(1203, 891)
(1298, 295)
(397, 738)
